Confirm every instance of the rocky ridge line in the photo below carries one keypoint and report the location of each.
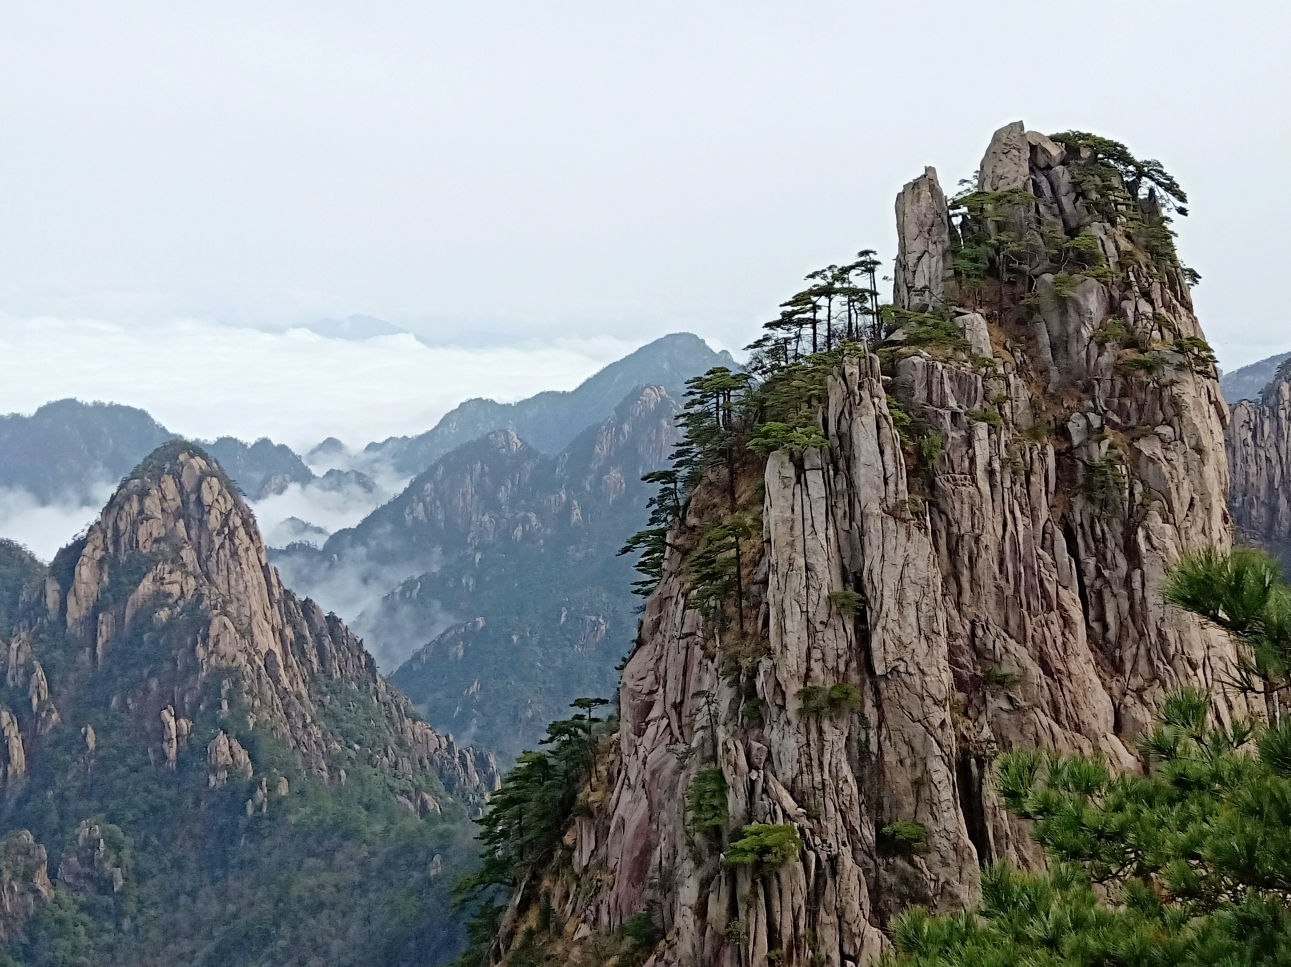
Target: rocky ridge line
(1008, 593)
(175, 541)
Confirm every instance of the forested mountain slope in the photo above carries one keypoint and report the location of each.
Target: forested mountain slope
(67, 449)
(199, 767)
(518, 602)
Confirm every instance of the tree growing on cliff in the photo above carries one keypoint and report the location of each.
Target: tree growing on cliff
(652, 542)
(1194, 856)
(522, 826)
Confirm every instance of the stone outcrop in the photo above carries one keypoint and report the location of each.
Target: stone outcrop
(225, 757)
(176, 559)
(923, 225)
(92, 865)
(24, 882)
(1259, 456)
(985, 574)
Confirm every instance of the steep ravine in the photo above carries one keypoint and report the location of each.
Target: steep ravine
(1000, 588)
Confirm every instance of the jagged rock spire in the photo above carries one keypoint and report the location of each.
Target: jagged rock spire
(177, 555)
(1006, 164)
(985, 574)
(923, 244)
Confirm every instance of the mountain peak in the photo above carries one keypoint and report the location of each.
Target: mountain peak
(551, 420)
(162, 691)
(176, 563)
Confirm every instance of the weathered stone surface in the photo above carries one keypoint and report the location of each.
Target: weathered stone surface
(90, 865)
(973, 325)
(1006, 593)
(1045, 153)
(1069, 324)
(13, 754)
(923, 243)
(1005, 165)
(225, 757)
(24, 882)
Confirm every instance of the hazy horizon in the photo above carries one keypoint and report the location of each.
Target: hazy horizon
(515, 176)
(531, 192)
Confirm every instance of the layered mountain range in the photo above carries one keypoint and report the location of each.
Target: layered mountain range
(551, 421)
(967, 554)
(516, 602)
(201, 767)
(69, 449)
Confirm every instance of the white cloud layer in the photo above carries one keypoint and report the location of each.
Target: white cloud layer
(577, 166)
(329, 510)
(43, 530)
(205, 380)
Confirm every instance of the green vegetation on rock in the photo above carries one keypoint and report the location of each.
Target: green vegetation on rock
(1187, 864)
(765, 846)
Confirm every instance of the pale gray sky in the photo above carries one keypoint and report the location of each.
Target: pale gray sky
(493, 173)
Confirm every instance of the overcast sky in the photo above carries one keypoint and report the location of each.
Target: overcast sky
(512, 174)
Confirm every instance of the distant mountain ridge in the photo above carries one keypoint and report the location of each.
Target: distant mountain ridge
(1250, 381)
(551, 420)
(517, 596)
(355, 328)
(67, 449)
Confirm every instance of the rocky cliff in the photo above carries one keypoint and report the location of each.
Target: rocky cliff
(166, 698)
(973, 561)
(1259, 454)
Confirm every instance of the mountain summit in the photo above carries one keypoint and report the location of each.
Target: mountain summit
(886, 568)
(171, 705)
(515, 602)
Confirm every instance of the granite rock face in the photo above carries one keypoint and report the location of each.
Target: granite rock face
(985, 574)
(1259, 456)
(923, 224)
(177, 547)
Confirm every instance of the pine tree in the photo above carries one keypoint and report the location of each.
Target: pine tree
(1188, 864)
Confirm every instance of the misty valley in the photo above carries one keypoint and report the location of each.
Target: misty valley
(946, 625)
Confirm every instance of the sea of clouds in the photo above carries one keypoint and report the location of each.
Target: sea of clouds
(205, 380)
